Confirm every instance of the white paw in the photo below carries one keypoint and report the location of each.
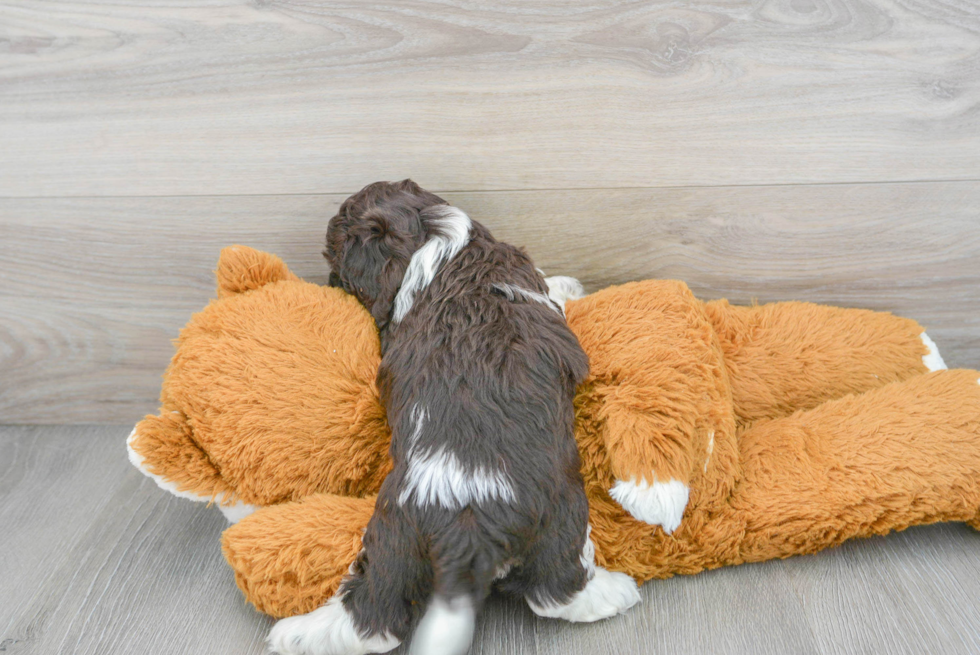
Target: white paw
(660, 503)
(329, 630)
(933, 360)
(562, 288)
(606, 594)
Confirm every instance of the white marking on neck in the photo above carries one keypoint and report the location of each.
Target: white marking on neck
(438, 478)
(437, 250)
(514, 292)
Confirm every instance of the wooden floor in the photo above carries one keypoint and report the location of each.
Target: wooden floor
(96, 560)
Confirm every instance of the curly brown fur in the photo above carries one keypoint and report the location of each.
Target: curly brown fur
(478, 374)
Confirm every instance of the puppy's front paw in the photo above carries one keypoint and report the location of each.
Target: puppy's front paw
(329, 630)
(660, 503)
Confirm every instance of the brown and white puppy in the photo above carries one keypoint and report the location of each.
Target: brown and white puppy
(477, 377)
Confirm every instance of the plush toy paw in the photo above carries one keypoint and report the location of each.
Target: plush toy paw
(660, 503)
(329, 630)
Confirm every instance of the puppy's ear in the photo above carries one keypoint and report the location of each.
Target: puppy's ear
(373, 261)
(388, 284)
(422, 197)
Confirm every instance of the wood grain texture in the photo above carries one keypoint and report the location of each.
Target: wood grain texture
(93, 290)
(317, 96)
(96, 560)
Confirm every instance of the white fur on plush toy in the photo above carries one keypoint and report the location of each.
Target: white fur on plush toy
(660, 503)
(933, 360)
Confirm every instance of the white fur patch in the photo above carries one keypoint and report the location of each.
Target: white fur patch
(446, 628)
(418, 415)
(562, 288)
(426, 261)
(933, 360)
(514, 292)
(503, 571)
(329, 630)
(606, 594)
(660, 503)
(236, 512)
(440, 479)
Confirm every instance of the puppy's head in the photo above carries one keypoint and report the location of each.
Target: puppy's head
(371, 241)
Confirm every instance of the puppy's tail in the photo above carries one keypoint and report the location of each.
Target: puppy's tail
(447, 626)
(463, 574)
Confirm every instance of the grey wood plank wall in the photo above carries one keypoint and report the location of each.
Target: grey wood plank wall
(758, 149)
(156, 97)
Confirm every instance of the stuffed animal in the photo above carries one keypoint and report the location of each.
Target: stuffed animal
(709, 434)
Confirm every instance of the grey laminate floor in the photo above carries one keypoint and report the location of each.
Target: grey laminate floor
(94, 559)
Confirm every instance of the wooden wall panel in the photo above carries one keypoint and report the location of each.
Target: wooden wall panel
(320, 96)
(93, 289)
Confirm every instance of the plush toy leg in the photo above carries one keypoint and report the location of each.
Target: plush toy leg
(783, 357)
(901, 455)
(290, 558)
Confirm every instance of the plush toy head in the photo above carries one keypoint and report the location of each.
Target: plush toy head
(709, 434)
(271, 395)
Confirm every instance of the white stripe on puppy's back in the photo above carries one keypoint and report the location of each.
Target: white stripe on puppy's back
(418, 416)
(514, 292)
(438, 249)
(440, 479)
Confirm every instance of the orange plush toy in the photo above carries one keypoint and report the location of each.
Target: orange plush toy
(710, 434)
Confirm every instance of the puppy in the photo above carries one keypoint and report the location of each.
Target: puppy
(477, 376)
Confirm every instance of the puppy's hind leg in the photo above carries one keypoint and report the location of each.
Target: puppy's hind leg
(562, 581)
(374, 608)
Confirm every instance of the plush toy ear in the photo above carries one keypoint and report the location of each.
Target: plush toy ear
(241, 269)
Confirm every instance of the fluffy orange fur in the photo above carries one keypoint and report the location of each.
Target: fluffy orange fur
(795, 426)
